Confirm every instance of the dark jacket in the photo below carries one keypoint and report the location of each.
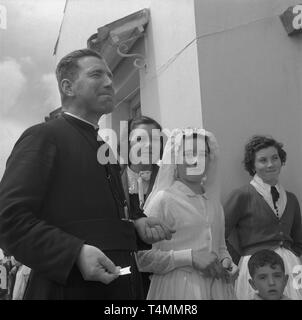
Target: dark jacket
(256, 225)
(55, 196)
(136, 213)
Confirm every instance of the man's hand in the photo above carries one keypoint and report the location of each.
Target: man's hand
(94, 265)
(152, 229)
(207, 263)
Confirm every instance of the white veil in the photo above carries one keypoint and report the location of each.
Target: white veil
(167, 171)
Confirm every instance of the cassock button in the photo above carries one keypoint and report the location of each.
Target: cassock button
(281, 243)
(281, 233)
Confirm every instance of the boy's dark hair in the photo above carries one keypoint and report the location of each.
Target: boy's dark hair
(257, 143)
(262, 258)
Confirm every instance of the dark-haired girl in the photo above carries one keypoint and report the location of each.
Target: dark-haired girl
(263, 215)
(139, 174)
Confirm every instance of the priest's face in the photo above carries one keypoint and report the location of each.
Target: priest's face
(93, 90)
(268, 165)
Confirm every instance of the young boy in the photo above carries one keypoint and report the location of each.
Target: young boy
(268, 276)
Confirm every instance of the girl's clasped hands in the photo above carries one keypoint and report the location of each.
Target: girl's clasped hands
(210, 266)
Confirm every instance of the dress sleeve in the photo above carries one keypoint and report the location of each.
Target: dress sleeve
(296, 231)
(23, 232)
(156, 260)
(161, 262)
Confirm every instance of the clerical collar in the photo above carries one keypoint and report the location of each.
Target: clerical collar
(95, 127)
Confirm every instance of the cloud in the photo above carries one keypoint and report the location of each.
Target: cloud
(34, 14)
(22, 108)
(44, 10)
(12, 82)
(9, 134)
(27, 60)
(28, 92)
(39, 20)
(32, 30)
(49, 82)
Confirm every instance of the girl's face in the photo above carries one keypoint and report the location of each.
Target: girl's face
(145, 144)
(268, 165)
(195, 160)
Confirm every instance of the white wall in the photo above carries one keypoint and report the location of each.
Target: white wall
(251, 82)
(170, 86)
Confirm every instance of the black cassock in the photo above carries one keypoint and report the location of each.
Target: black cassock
(55, 196)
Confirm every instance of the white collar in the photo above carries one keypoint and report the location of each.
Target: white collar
(137, 173)
(96, 127)
(186, 190)
(265, 186)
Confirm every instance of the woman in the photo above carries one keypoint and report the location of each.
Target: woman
(195, 263)
(139, 175)
(262, 215)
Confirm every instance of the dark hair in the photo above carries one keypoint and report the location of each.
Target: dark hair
(257, 143)
(68, 67)
(143, 120)
(262, 258)
(133, 123)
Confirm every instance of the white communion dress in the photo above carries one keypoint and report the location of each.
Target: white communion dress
(199, 224)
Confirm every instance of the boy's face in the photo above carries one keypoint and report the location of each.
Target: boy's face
(269, 281)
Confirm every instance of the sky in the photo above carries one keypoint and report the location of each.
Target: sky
(28, 88)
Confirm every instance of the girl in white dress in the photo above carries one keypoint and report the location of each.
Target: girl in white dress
(195, 264)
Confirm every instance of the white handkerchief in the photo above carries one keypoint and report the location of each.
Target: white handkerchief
(124, 271)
